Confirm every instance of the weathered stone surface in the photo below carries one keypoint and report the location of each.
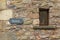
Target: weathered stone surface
(1, 27)
(15, 1)
(27, 1)
(7, 36)
(27, 36)
(29, 10)
(55, 36)
(6, 14)
(35, 21)
(55, 39)
(22, 12)
(45, 39)
(2, 24)
(28, 21)
(7, 23)
(33, 15)
(3, 4)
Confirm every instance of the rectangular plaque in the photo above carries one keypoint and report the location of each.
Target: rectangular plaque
(17, 21)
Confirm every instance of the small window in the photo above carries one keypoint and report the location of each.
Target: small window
(44, 17)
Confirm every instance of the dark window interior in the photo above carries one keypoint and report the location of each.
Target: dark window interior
(44, 16)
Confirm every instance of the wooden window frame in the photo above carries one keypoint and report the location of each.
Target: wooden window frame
(47, 17)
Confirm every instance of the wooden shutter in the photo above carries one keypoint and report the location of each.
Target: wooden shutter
(44, 17)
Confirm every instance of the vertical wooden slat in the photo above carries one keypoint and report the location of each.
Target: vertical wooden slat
(44, 17)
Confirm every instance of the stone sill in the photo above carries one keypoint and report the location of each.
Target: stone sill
(44, 28)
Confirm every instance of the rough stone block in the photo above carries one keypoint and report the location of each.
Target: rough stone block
(26, 1)
(2, 4)
(6, 14)
(33, 15)
(35, 21)
(8, 36)
(27, 21)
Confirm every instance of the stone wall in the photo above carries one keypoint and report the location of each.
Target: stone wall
(29, 11)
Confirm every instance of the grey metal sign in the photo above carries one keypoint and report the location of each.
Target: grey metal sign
(18, 21)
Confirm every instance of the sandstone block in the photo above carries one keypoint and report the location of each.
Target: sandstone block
(2, 4)
(6, 14)
(26, 1)
(33, 15)
(28, 21)
(35, 21)
(8, 36)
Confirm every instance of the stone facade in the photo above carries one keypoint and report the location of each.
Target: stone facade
(29, 11)
(2, 4)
